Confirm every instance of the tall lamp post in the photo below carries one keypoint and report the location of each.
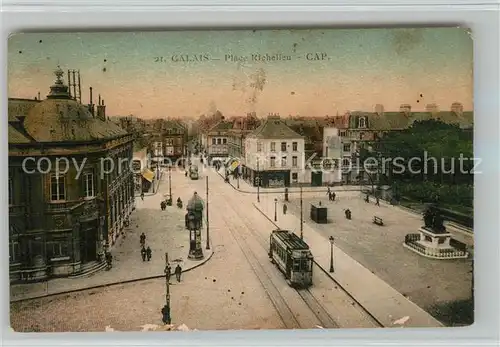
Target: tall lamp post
(208, 220)
(166, 309)
(275, 209)
(170, 181)
(258, 182)
(301, 216)
(332, 240)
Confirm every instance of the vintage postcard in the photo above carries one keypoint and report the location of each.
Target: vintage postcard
(245, 179)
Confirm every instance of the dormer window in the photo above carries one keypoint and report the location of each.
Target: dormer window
(362, 122)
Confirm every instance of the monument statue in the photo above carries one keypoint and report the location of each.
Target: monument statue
(433, 220)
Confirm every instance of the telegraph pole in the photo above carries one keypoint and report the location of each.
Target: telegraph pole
(208, 220)
(301, 216)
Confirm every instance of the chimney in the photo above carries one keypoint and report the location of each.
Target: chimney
(101, 111)
(91, 103)
(38, 96)
(406, 109)
(457, 108)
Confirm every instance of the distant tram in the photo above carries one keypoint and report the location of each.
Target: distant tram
(292, 256)
(193, 172)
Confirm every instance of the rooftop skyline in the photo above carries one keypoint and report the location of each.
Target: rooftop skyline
(315, 72)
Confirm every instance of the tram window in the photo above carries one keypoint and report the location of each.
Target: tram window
(296, 265)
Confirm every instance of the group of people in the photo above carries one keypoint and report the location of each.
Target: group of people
(146, 252)
(377, 201)
(331, 194)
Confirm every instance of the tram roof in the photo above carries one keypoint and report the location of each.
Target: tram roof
(290, 239)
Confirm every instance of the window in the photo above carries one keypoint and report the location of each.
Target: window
(224, 141)
(346, 162)
(361, 135)
(273, 162)
(273, 146)
(296, 265)
(214, 141)
(11, 192)
(294, 161)
(219, 141)
(295, 146)
(57, 187)
(57, 249)
(14, 251)
(343, 133)
(347, 147)
(283, 146)
(259, 146)
(283, 161)
(88, 184)
(362, 122)
(295, 176)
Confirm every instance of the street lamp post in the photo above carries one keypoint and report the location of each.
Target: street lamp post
(275, 208)
(166, 309)
(208, 220)
(170, 181)
(301, 216)
(258, 182)
(332, 240)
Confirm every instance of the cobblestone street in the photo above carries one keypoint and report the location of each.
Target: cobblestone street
(224, 293)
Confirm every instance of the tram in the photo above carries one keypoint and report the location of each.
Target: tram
(193, 172)
(292, 256)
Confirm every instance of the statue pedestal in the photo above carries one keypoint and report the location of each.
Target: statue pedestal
(433, 244)
(434, 241)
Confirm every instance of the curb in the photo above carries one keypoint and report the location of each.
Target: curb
(281, 190)
(372, 315)
(110, 284)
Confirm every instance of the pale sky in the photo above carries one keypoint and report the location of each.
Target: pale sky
(360, 68)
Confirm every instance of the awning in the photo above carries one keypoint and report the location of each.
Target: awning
(234, 165)
(148, 175)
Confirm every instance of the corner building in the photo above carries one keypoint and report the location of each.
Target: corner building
(60, 224)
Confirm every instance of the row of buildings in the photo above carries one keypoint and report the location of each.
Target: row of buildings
(70, 184)
(278, 151)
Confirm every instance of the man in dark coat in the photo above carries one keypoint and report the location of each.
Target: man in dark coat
(178, 272)
(148, 253)
(143, 253)
(284, 208)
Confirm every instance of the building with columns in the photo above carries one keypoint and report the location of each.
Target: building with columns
(61, 221)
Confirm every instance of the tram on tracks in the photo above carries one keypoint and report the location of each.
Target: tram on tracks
(292, 256)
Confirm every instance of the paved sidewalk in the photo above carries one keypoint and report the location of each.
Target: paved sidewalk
(380, 299)
(165, 232)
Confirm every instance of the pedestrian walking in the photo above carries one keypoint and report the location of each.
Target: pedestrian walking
(333, 196)
(367, 198)
(142, 239)
(143, 253)
(178, 272)
(284, 208)
(377, 201)
(142, 196)
(148, 253)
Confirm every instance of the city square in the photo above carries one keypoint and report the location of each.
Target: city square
(251, 214)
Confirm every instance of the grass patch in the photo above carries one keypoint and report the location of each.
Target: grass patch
(454, 313)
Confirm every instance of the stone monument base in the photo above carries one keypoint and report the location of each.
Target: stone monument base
(432, 244)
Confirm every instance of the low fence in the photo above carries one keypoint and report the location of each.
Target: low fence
(411, 241)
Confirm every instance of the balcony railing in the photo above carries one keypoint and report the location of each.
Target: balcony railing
(15, 210)
(63, 206)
